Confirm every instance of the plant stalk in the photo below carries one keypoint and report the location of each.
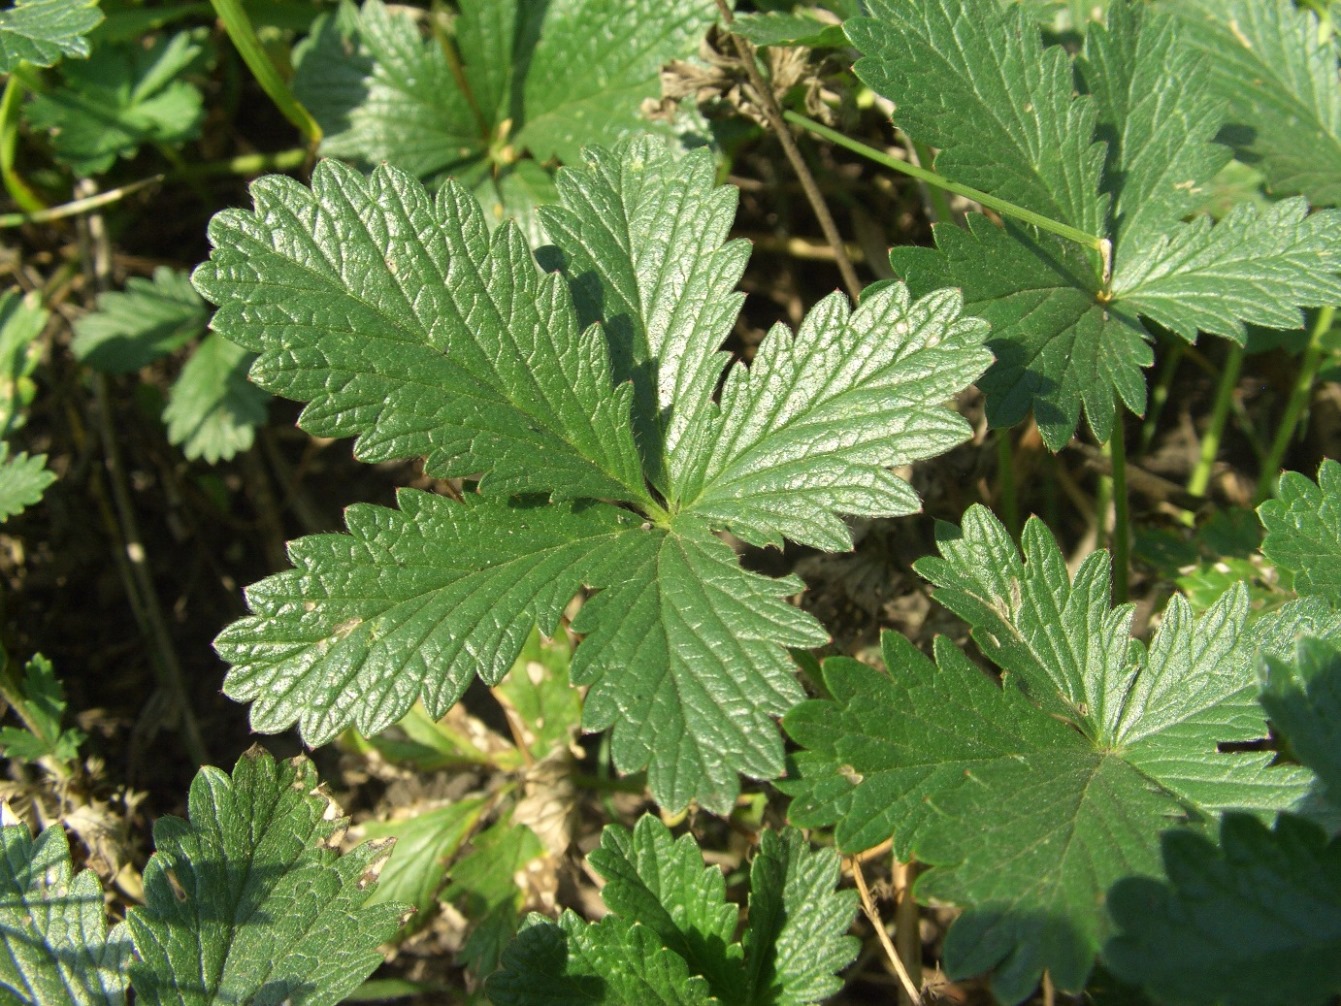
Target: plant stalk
(1116, 449)
(1294, 407)
(1210, 441)
(239, 28)
(1102, 246)
(24, 197)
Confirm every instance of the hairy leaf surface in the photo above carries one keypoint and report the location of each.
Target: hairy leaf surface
(1032, 798)
(250, 898)
(402, 319)
(1253, 920)
(54, 929)
(1303, 534)
(670, 935)
(42, 31)
(972, 77)
(1277, 72)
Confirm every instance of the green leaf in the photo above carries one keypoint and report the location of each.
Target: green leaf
(1032, 798)
(22, 319)
(1303, 526)
(118, 99)
(971, 76)
(809, 430)
(425, 844)
(594, 63)
(544, 710)
(974, 80)
(23, 480)
(452, 345)
(1303, 698)
(1277, 72)
(413, 603)
(1256, 920)
(641, 238)
(669, 938)
(776, 28)
(132, 328)
(382, 92)
(1256, 265)
(685, 659)
(249, 898)
(484, 886)
(213, 410)
(434, 339)
(57, 947)
(42, 703)
(42, 31)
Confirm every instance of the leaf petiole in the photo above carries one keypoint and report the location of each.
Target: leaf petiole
(1102, 246)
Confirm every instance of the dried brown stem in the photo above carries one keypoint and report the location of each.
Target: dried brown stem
(868, 907)
(769, 105)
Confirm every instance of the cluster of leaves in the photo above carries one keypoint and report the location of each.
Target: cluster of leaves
(247, 901)
(426, 346)
(509, 78)
(1125, 160)
(23, 479)
(1032, 797)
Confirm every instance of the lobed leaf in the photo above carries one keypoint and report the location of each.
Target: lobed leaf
(40, 32)
(1253, 920)
(1277, 71)
(213, 410)
(133, 327)
(1303, 525)
(1303, 698)
(1031, 798)
(23, 480)
(121, 97)
(248, 900)
(972, 76)
(53, 927)
(403, 320)
(669, 937)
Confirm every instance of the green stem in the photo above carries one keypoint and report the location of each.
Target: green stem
(1116, 449)
(1210, 441)
(240, 30)
(1102, 246)
(940, 206)
(24, 197)
(1007, 499)
(1294, 408)
(1159, 394)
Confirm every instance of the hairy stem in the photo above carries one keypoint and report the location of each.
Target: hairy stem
(1102, 246)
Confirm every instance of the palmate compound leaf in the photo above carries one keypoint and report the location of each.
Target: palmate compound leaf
(401, 319)
(1031, 799)
(1277, 72)
(56, 945)
(969, 76)
(670, 937)
(42, 31)
(1303, 525)
(250, 901)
